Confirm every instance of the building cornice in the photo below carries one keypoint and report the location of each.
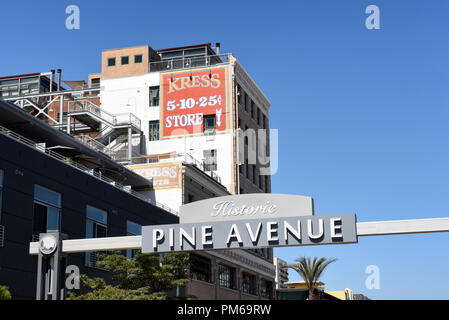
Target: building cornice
(250, 87)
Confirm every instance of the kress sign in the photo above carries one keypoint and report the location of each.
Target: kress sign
(191, 99)
(273, 232)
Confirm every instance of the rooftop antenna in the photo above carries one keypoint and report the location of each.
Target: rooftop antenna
(59, 79)
(51, 79)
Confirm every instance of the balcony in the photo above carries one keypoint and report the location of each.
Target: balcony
(189, 62)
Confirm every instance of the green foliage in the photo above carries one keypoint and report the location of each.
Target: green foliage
(143, 277)
(311, 271)
(4, 293)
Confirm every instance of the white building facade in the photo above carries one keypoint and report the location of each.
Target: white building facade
(190, 108)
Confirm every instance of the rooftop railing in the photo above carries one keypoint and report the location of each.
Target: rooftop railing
(69, 161)
(188, 62)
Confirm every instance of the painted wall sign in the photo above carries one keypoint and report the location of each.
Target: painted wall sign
(164, 175)
(246, 206)
(247, 234)
(188, 96)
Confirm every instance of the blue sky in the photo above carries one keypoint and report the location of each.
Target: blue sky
(362, 114)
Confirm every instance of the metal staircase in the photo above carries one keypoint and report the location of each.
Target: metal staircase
(114, 130)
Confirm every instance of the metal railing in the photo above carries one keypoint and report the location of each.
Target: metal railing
(93, 144)
(121, 156)
(188, 159)
(69, 161)
(126, 118)
(112, 119)
(188, 62)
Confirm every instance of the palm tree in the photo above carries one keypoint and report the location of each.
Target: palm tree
(311, 271)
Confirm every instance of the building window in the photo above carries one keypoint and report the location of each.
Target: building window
(125, 60)
(47, 211)
(209, 124)
(265, 122)
(200, 268)
(210, 160)
(111, 62)
(154, 96)
(190, 198)
(138, 58)
(260, 181)
(266, 289)
(239, 95)
(247, 169)
(153, 133)
(246, 101)
(95, 82)
(254, 174)
(132, 229)
(266, 183)
(96, 227)
(258, 116)
(248, 283)
(253, 107)
(226, 276)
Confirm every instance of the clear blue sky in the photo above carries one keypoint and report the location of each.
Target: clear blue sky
(362, 114)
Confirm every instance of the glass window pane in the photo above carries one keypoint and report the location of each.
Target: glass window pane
(27, 80)
(1, 178)
(39, 219)
(4, 82)
(133, 228)
(209, 122)
(138, 58)
(101, 232)
(52, 219)
(153, 130)
(89, 229)
(154, 96)
(97, 215)
(194, 51)
(47, 196)
(172, 54)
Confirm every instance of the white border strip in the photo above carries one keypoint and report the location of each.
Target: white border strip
(381, 228)
(96, 244)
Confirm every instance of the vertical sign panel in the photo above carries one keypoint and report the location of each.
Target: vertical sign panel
(190, 98)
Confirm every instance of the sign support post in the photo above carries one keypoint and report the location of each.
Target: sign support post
(51, 263)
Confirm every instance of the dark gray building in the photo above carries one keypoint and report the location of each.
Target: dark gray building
(50, 181)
